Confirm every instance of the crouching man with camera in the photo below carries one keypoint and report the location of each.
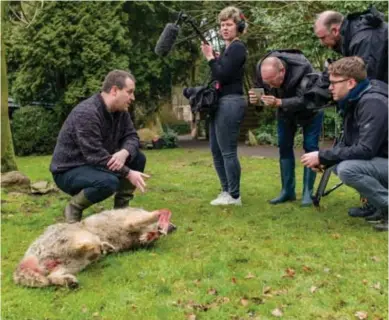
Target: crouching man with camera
(362, 156)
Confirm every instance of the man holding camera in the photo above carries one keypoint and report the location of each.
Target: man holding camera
(97, 151)
(362, 155)
(281, 75)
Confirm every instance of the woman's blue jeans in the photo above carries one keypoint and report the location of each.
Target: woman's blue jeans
(224, 129)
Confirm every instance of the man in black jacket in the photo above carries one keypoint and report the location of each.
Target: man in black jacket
(97, 151)
(362, 155)
(362, 34)
(281, 73)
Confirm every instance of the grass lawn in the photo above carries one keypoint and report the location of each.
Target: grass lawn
(249, 262)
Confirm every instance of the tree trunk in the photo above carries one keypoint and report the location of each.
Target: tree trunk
(8, 162)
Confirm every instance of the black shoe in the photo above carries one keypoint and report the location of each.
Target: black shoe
(376, 217)
(361, 212)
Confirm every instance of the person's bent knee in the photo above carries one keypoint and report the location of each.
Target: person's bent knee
(346, 171)
(138, 163)
(110, 183)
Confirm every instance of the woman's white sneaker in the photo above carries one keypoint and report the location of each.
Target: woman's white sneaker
(225, 199)
(220, 198)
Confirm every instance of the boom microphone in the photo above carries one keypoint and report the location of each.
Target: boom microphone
(166, 39)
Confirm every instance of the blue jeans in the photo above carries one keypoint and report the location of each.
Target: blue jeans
(287, 130)
(368, 177)
(224, 128)
(97, 182)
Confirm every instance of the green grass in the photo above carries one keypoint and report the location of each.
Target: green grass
(214, 248)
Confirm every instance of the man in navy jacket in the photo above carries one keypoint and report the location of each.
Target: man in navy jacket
(362, 155)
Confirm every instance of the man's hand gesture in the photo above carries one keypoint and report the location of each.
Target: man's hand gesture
(117, 160)
(136, 178)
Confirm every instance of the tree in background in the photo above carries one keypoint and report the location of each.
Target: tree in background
(8, 162)
(65, 55)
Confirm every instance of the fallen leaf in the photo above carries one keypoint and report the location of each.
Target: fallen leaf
(249, 276)
(244, 302)
(361, 315)
(197, 282)
(212, 291)
(307, 269)
(335, 236)
(289, 272)
(377, 286)
(191, 316)
(257, 300)
(222, 300)
(233, 280)
(96, 314)
(375, 259)
(313, 289)
(280, 292)
(277, 313)
(266, 290)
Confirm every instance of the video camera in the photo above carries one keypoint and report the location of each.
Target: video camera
(316, 89)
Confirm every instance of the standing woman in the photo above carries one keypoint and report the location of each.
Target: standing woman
(224, 127)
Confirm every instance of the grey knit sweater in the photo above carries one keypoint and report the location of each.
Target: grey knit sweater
(91, 134)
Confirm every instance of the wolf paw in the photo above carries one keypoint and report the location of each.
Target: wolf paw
(70, 281)
(106, 247)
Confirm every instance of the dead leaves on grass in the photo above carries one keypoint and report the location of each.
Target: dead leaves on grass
(361, 315)
(277, 312)
(289, 273)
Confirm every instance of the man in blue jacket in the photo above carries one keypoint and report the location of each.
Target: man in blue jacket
(97, 151)
(362, 155)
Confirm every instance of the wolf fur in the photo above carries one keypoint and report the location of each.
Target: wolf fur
(65, 249)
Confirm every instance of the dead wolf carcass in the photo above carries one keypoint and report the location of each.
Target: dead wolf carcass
(65, 249)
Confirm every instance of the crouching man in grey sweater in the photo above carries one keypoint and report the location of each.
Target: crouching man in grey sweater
(97, 151)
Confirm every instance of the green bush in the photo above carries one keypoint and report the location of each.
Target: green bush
(266, 138)
(170, 138)
(181, 127)
(34, 131)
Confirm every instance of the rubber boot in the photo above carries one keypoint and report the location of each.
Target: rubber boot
(308, 183)
(288, 182)
(74, 208)
(124, 194)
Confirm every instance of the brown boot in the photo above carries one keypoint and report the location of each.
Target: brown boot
(124, 195)
(73, 210)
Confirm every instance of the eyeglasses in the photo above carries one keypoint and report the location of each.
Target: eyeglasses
(332, 83)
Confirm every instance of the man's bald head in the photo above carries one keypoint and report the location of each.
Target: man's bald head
(272, 71)
(327, 28)
(328, 18)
